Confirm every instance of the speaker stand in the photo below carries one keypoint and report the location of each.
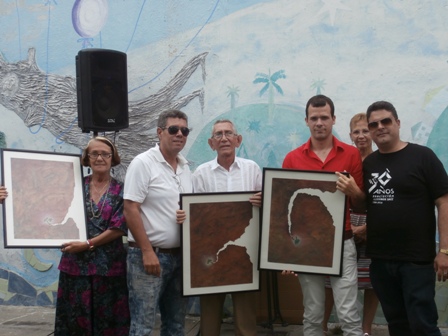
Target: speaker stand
(274, 313)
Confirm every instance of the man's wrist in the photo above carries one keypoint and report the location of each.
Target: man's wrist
(444, 251)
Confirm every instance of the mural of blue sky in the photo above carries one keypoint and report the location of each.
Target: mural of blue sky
(361, 51)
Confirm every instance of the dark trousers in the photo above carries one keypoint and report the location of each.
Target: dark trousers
(406, 292)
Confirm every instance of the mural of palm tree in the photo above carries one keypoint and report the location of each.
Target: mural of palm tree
(318, 85)
(232, 92)
(269, 82)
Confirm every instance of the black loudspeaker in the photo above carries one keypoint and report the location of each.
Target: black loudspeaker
(102, 90)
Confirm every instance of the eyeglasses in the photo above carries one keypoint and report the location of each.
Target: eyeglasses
(103, 155)
(219, 135)
(175, 129)
(374, 124)
(178, 182)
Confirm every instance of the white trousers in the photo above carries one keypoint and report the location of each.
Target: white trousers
(345, 292)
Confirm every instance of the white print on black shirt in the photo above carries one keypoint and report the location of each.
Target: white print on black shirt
(378, 190)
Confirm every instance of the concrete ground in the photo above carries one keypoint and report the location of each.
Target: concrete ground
(39, 321)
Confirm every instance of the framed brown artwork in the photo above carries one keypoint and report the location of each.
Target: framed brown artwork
(45, 203)
(303, 220)
(220, 240)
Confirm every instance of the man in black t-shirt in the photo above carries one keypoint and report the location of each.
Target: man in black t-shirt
(404, 182)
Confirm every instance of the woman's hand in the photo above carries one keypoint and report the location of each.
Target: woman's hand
(359, 233)
(75, 247)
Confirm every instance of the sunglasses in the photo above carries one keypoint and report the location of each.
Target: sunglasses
(175, 129)
(374, 124)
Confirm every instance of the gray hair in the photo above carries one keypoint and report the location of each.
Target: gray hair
(221, 121)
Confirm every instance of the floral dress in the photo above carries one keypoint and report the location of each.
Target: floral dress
(92, 290)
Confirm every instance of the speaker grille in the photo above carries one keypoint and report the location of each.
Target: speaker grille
(102, 90)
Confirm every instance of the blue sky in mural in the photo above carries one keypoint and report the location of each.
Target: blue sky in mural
(47, 25)
(362, 52)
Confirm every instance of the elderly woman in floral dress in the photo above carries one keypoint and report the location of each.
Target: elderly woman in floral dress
(92, 294)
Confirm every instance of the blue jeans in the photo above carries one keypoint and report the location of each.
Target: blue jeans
(406, 292)
(146, 292)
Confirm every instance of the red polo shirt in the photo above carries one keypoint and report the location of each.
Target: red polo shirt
(342, 157)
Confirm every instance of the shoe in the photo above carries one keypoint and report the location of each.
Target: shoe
(366, 334)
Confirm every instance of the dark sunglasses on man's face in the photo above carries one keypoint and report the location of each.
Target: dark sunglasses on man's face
(175, 129)
(374, 124)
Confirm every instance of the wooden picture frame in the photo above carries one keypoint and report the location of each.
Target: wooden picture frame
(303, 220)
(45, 203)
(220, 240)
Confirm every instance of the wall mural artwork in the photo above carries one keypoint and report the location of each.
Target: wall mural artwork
(256, 62)
(50, 102)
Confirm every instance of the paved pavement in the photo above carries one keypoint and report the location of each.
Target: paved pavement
(39, 321)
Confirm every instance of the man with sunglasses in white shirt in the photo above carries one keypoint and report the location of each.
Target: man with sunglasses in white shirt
(404, 183)
(154, 181)
(225, 173)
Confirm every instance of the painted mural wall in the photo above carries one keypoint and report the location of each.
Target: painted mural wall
(255, 61)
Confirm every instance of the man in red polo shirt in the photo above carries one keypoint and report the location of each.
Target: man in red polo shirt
(325, 152)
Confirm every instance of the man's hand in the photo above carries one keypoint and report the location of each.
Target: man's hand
(180, 216)
(441, 266)
(347, 184)
(3, 193)
(151, 262)
(255, 199)
(286, 272)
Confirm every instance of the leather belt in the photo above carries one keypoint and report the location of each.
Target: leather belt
(174, 250)
(348, 234)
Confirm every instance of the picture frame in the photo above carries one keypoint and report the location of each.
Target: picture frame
(294, 201)
(220, 239)
(45, 203)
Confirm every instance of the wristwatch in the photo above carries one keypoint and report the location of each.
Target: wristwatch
(444, 251)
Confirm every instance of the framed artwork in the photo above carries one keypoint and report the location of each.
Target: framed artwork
(220, 240)
(45, 203)
(303, 221)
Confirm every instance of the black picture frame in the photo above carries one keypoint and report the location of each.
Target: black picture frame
(220, 240)
(303, 220)
(45, 204)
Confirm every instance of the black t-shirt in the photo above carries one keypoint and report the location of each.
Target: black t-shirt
(401, 188)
